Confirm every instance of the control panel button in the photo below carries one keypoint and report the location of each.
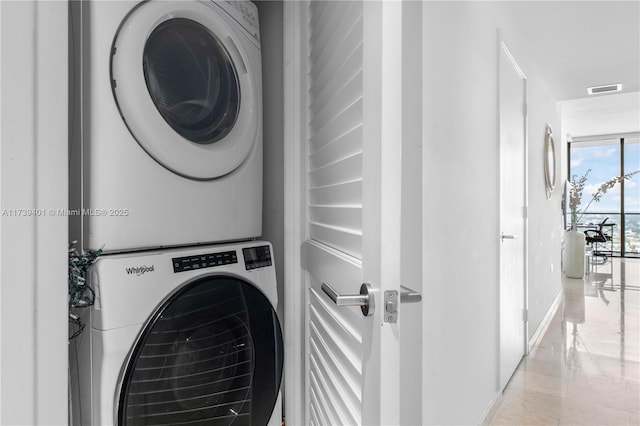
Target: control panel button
(207, 260)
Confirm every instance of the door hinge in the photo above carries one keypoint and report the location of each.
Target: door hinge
(525, 315)
(525, 212)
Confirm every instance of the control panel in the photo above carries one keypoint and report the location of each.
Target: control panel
(257, 257)
(245, 13)
(209, 260)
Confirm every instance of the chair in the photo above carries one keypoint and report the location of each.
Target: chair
(594, 237)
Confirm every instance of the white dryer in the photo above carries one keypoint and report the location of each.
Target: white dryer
(166, 123)
(177, 337)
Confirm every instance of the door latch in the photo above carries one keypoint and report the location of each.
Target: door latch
(391, 306)
(391, 302)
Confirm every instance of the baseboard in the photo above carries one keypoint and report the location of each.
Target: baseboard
(546, 321)
(494, 405)
(491, 410)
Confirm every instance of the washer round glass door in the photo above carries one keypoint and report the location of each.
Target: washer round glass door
(180, 79)
(211, 355)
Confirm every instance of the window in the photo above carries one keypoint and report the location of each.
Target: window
(619, 207)
(631, 206)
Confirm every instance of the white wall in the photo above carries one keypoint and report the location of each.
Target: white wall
(33, 307)
(461, 205)
(271, 28)
(411, 215)
(545, 216)
(271, 37)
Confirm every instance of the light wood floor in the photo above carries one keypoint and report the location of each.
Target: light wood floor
(586, 368)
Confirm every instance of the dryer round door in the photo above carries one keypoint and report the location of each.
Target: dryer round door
(182, 81)
(211, 355)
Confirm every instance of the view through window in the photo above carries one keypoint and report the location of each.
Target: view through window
(619, 208)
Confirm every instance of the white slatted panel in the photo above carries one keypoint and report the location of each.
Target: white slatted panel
(335, 342)
(335, 210)
(335, 144)
(344, 358)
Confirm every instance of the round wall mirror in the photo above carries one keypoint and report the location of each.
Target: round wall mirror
(549, 162)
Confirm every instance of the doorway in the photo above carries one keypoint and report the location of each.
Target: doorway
(513, 214)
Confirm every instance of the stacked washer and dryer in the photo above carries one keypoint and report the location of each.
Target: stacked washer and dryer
(166, 177)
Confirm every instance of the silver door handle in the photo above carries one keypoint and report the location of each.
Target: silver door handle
(365, 299)
(409, 296)
(504, 236)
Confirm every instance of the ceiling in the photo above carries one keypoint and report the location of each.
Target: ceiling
(577, 44)
(601, 115)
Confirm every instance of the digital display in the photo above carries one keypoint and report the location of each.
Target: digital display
(257, 257)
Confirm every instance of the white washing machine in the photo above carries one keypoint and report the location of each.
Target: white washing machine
(166, 144)
(177, 337)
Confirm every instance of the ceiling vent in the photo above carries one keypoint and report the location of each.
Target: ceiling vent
(604, 89)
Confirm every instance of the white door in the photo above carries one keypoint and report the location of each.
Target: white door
(512, 214)
(353, 154)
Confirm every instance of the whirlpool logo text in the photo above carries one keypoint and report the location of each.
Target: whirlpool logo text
(139, 270)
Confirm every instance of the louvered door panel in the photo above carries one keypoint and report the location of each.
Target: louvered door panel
(346, 170)
(322, 92)
(335, 125)
(335, 342)
(346, 146)
(347, 96)
(348, 217)
(335, 370)
(351, 66)
(340, 195)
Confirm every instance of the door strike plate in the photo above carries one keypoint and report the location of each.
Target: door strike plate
(391, 306)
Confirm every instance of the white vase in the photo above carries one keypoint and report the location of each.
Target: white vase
(574, 245)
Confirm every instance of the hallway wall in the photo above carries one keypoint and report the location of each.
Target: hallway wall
(33, 279)
(461, 201)
(545, 216)
(271, 28)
